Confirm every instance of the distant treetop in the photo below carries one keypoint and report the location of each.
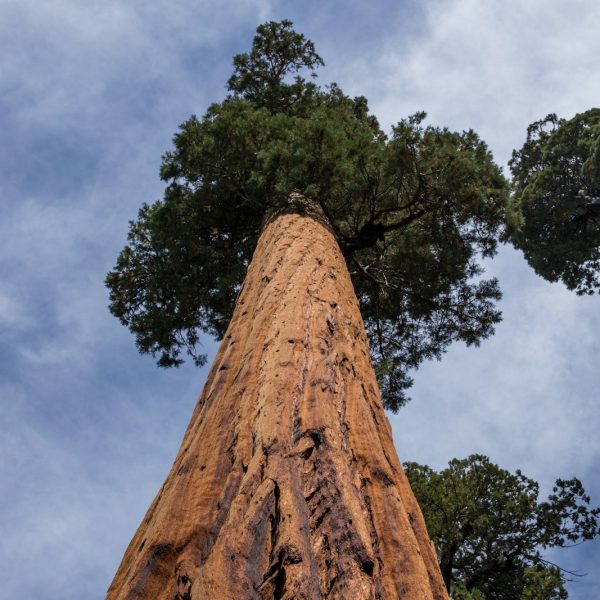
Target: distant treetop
(491, 530)
(556, 179)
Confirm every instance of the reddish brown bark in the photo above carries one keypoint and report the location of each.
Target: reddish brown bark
(287, 484)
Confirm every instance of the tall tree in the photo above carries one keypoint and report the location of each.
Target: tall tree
(287, 202)
(556, 178)
(491, 530)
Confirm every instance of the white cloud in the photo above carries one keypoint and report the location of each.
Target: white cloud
(12, 311)
(65, 65)
(526, 397)
(60, 57)
(492, 66)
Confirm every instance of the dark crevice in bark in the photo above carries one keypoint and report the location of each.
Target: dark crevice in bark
(320, 518)
(367, 399)
(383, 477)
(160, 561)
(317, 435)
(331, 585)
(223, 506)
(184, 588)
(373, 531)
(312, 494)
(279, 584)
(276, 517)
(275, 578)
(342, 401)
(390, 463)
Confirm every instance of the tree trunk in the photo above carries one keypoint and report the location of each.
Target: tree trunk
(287, 484)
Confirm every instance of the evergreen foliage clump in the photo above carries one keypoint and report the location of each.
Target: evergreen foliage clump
(414, 212)
(556, 179)
(491, 529)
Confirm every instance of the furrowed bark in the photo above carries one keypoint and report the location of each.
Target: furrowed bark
(287, 484)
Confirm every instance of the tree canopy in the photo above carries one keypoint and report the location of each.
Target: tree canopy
(414, 212)
(491, 530)
(556, 180)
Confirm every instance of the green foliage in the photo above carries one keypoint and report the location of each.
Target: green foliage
(277, 51)
(533, 583)
(556, 179)
(413, 212)
(490, 529)
(543, 583)
(460, 592)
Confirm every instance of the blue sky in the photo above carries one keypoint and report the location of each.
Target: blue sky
(90, 97)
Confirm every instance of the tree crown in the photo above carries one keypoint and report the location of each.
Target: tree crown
(277, 52)
(491, 529)
(413, 213)
(556, 181)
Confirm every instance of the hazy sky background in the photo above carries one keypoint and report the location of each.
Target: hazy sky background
(90, 95)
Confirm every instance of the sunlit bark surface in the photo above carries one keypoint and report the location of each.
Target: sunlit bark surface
(287, 484)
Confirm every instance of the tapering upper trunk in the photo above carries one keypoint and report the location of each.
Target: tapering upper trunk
(287, 484)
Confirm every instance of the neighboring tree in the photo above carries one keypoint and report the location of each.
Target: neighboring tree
(533, 583)
(491, 530)
(556, 179)
(413, 214)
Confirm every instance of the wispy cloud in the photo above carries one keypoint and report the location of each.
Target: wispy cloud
(491, 66)
(526, 396)
(66, 56)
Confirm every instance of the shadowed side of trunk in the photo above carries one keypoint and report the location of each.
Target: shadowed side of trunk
(287, 484)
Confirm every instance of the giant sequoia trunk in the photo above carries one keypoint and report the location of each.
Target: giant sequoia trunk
(287, 484)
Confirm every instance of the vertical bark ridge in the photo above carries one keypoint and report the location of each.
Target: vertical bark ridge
(287, 484)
